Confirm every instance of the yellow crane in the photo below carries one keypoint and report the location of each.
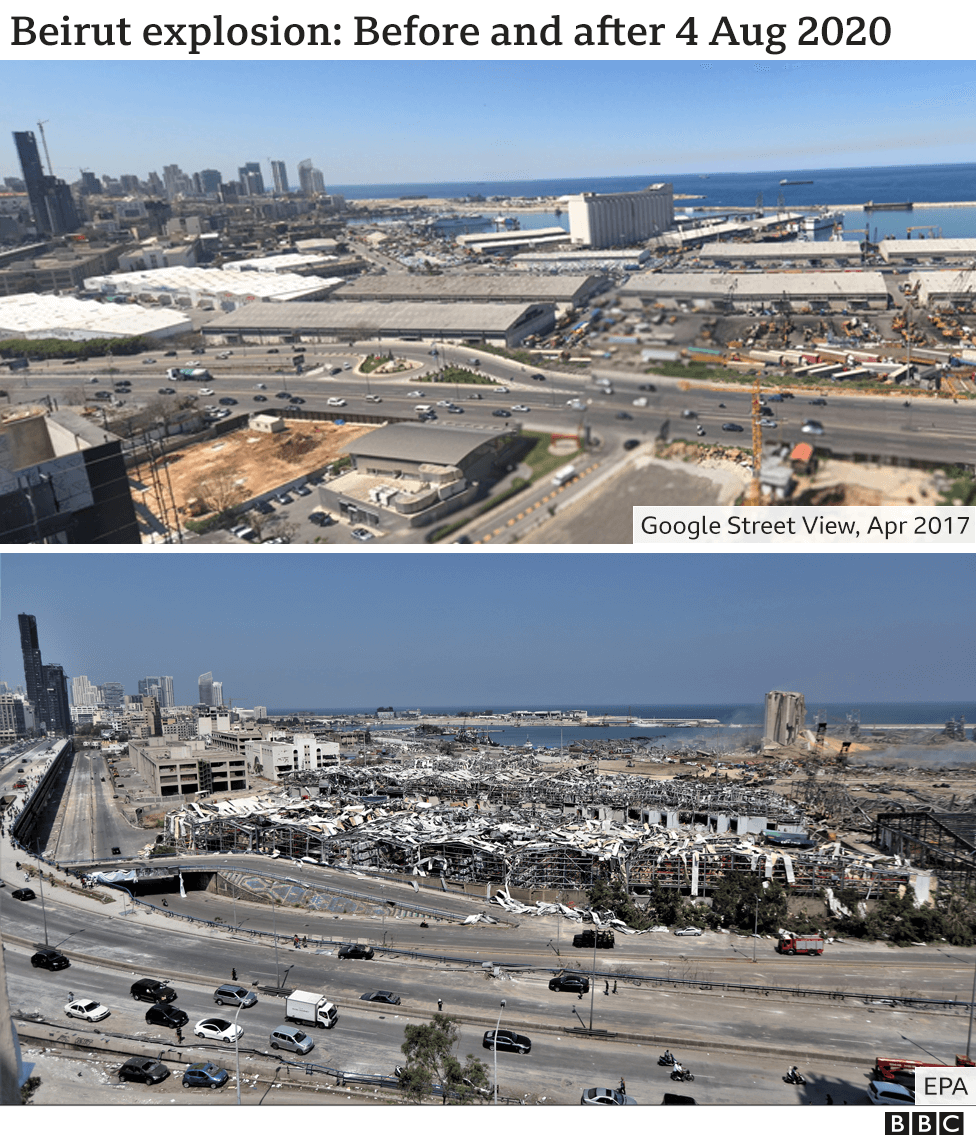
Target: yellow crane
(754, 498)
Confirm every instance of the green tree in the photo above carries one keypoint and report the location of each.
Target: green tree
(734, 903)
(431, 1054)
(610, 895)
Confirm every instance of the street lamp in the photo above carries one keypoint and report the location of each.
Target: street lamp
(40, 876)
(593, 978)
(495, 1050)
(237, 1052)
(274, 927)
(755, 929)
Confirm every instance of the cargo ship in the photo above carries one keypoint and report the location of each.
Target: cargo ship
(796, 182)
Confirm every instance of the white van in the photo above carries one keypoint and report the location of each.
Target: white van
(423, 408)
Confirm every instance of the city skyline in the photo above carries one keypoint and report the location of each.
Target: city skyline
(293, 631)
(449, 121)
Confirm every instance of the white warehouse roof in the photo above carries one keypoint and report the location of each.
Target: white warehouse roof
(281, 263)
(38, 315)
(223, 290)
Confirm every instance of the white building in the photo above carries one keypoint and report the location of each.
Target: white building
(191, 286)
(38, 316)
(277, 758)
(604, 220)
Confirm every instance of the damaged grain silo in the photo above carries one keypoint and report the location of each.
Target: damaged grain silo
(785, 719)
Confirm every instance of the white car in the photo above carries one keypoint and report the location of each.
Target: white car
(219, 1029)
(577, 404)
(813, 428)
(501, 390)
(766, 422)
(445, 404)
(521, 408)
(371, 399)
(259, 385)
(88, 1009)
(640, 402)
(205, 391)
(416, 394)
(336, 402)
(192, 364)
(689, 931)
(889, 1093)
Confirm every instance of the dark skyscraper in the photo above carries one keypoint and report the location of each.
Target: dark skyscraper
(50, 198)
(56, 690)
(33, 670)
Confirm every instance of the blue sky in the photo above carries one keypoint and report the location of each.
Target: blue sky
(494, 631)
(375, 121)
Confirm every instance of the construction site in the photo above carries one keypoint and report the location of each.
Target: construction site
(816, 809)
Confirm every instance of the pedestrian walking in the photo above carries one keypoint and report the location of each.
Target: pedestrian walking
(622, 1088)
(830, 1100)
(233, 973)
(606, 986)
(296, 940)
(179, 1035)
(304, 940)
(440, 1004)
(71, 996)
(614, 986)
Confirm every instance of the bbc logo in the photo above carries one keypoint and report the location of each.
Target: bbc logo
(918, 1123)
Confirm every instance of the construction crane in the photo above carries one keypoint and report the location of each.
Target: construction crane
(40, 127)
(933, 231)
(754, 497)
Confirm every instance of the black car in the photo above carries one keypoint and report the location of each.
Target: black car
(321, 518)
(171, 353)
(272, 352)
(647, 387)
(604, 939)
(501, 412)
(152, 990)
(629, 445)
(166, 391)
(732, 428)
(538, 376)
(570, 982)
(820, 400)
(386, 996)
(116, 851)
(227, 400)
(506, 1040)
(283, 396)
(50, 959)
(264, 507)
(624, 416)
(296, 400)
(23, 894)
(355, 951)
(146, 1070)
(260, 399)
(205, 1074)
(162, 1014)
(103, 395)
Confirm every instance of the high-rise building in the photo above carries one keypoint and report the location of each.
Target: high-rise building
(159, 687)
(90, 183)
(280, 176)
(205, 685)
(50, 198)
(150, 706)
(83, 692)
(210, 181)
(218, 693)
(251, 178)
(33, 670)
(15, 720)
(310, 179)
(112, 694)
(58, 707)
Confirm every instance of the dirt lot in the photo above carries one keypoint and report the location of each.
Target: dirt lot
(215, 474)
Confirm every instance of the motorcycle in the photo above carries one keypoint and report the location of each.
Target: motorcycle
(666, 1060)
(683, 1076)
(700, 430)
(424, 923)
(793, 1079)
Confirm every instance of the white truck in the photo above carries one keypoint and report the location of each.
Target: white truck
(564, 475)
(310, 1009)
(188, 374)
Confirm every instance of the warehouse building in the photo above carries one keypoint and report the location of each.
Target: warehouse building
(606, 220)
(812, 253)
(722, 291)
(187, 768)
(927, 250)
(511, 289)
(36, 316)
(268, 323)
(581, 261)
(946, 288)
(505, 242)
(710, 231)
(190, 287)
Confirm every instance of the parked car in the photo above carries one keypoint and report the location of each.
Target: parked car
(889, 1093)
(219, 1029)
(230, 994)
(204, 1074)
(146, 1070)
(23, 893)
(165, 1014)
(629, 445)
(361, 535)
(87, 1009)
(152, 990)
(355, 951)
(571, 982)
(600, 1095)
(506, 1040)
(320, 518)
(688, 931)
(384, 996)
(50, 959)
